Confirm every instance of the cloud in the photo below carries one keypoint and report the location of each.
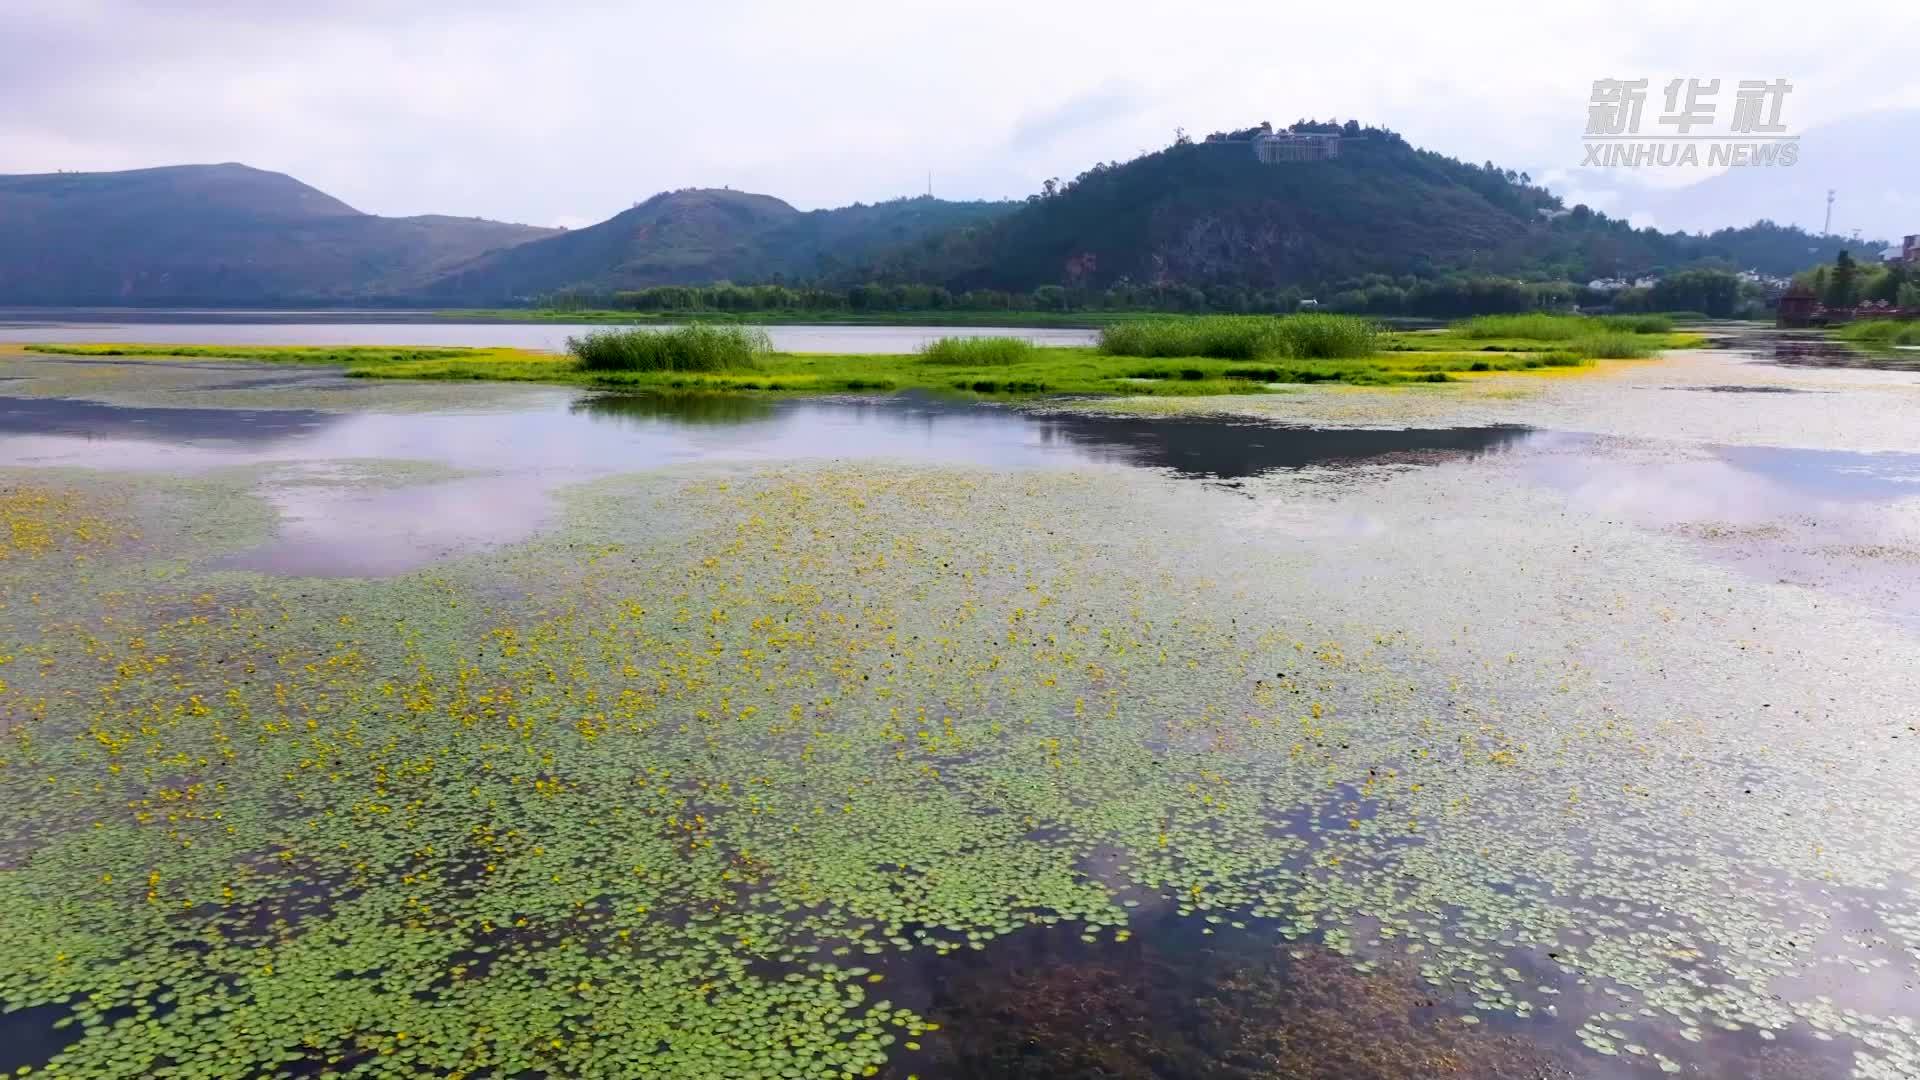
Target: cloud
(573, 109)
(1093, 109)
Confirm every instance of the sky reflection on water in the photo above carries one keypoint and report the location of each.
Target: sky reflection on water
(524, 454)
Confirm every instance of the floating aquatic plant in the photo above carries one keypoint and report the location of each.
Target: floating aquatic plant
(664, 792)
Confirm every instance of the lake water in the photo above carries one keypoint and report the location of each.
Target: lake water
(1542, 726)
(380, 328)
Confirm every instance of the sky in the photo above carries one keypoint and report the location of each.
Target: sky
(567, 111)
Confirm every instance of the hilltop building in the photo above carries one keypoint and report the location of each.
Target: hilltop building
(1280, 147)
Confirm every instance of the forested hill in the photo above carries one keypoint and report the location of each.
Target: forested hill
(1208, 213)
(1194, 215)
(192, 234)
(702, 235)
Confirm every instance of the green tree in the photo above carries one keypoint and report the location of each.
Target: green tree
(1891, 281)
(1714, 292)
(1842, 284)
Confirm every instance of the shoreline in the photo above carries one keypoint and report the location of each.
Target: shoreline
(1076, 371)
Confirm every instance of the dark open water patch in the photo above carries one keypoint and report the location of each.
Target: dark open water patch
(93, 420)
(1814, 349)
(28, 1037)
(1230, 999)
(1213, 449)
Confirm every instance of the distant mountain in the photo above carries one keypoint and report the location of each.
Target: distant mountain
(1206, 214)
(216, 234)
(1211, 214)
(1868, 160)
(704, 235)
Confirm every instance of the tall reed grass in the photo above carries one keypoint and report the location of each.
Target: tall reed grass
(1886, 332)
(694, 347)
(1244, 337)
(1536, 326)
(978, 351)
(1637, 324)
(1543, 326)
(1611, 345)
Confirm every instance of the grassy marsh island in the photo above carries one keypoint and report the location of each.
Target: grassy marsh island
(1177, 356)
(1881, 333)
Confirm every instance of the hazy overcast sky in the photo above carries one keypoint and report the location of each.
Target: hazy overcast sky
(566, 111)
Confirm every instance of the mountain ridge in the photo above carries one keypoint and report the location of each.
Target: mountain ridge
(216, 233)
(1210, 214)
(1205, 215)
(701, 235)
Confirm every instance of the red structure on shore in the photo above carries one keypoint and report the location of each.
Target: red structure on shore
(1800, 307)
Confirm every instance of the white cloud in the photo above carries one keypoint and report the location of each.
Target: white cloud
(571, 110)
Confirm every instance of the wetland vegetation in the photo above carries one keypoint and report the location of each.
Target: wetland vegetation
(1881, 333)
(1166, 356)
(698, 347)
(849, 768)
(1544, 327)
(1245, 337)
(977, 352)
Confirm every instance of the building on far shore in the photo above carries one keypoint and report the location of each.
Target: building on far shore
(1910, 251)
(1800, 308)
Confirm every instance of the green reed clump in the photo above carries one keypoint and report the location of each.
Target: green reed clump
(1637, 324)
(1329, 337)
(1611, 345)
(1543, 326)
(1244, 337)
(694, 347)
(1225, 337)
(1535, 326)
(1885, 332)
(978, 351)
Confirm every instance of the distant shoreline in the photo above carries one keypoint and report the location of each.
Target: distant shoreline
(1064, 320)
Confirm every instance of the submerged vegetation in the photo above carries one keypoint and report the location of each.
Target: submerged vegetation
(670, 792)
(1240, 1010)
(829, 770)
